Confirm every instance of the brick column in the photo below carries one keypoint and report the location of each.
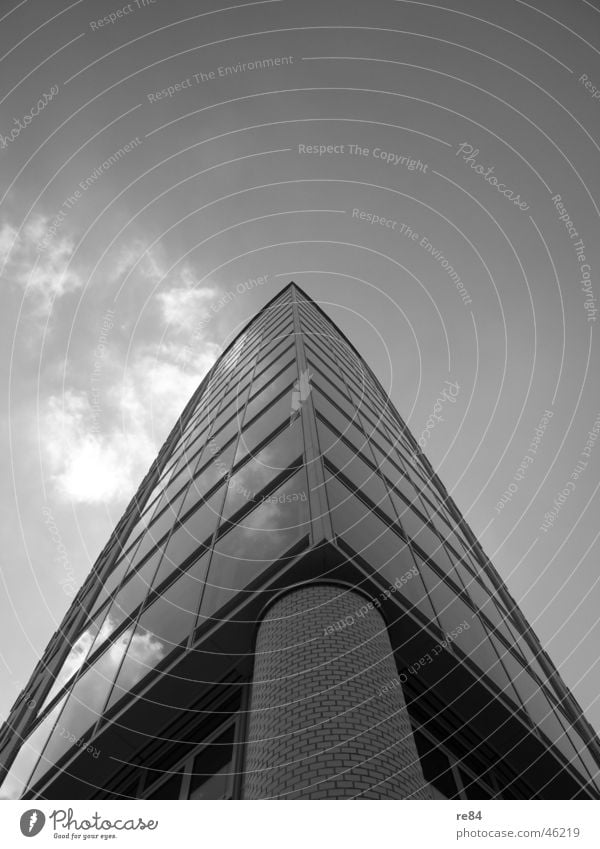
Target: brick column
(327, 714)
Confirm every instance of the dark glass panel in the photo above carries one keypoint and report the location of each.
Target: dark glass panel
(280, 330)
(134, 591)
(537, 705)
(263, 535)
(158, 530)
(326, 364)
(436, 766)
(169, 789)
(161, 627)
(328, 384)
(263, 398)
(254, 434)
(16, 779)
(74, 660)
(351, 430)
(474, 789)
(209, 778)
(196, 530)
(167, 567)
(271, 359)
(129, 597)
(359, 473)
(84, 705)
(418, 531)
(254, 475)
(112, 582)
(225, 433)
(215, 464)
(582, 749)
(473, 640)
(236, 397)
(370, 538)
(264, 377)
(314, 344)
(166, 518)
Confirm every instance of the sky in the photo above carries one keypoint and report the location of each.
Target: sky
(426, 172)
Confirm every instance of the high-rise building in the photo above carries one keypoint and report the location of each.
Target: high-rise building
(292, 606)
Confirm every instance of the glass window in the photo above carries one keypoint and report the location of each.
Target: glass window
(214, 465)
(258, 430)
(582, 749)
(474, 789)
(264, 535)
(537, 705)
(254, 475)
(331, 414)
(229, 429)
(319, 346)
(334, 393)
(279, 330)
(362, 476)
(128, 599)
(270, 362)
(84, 705)
(237, 396)
(162, 627)
(370, 538)
(169, 789)
(167, 512)
(158, 530)
(16, 779)
(452, 612)
(327, 365)
(263, 378)
(196, 530)
(134, 591)
(436, 766)
(210, 773)
(112, 582)
(74, 660)
(261, 398)
(419, 532)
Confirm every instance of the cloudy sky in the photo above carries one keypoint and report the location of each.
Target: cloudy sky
(427, 172)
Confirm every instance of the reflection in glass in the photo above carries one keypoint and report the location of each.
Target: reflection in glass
(261, 400)
(351, 430)
(74, 660)
(253, 435)
(370, 538)
(161, 627)
(359, 474)
(196, 530)
(159, 528)
(111, 583)
(17, 777)
(263, 535)
(84, 705)
(254, 475)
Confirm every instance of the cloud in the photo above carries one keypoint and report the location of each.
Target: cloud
(183, 307)
(134, 261)
(99, 446)
(39, 261)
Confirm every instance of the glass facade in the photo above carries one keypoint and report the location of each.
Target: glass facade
(289, 442)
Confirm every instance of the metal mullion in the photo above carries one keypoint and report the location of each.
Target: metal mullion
(320, 525)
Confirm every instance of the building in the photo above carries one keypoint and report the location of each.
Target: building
(292, 606)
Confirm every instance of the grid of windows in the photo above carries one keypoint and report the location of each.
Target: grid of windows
(232, 501)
